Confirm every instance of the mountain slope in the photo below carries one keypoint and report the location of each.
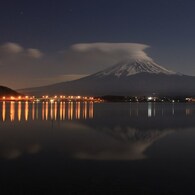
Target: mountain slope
(5, 91)
(137, 77)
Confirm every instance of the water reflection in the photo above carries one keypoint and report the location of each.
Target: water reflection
(115, 133)
(3, 111)
(91, 110)
(159, 109)
(19, 111)
(121, 143)
(26, 111)
(149, 109)
(48, 110)
(33, 111)
(78, 110)
(12, 111)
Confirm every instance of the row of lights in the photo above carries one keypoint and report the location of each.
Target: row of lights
(18, 98)
(67, 97)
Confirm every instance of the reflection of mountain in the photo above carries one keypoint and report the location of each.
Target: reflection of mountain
(130, 144)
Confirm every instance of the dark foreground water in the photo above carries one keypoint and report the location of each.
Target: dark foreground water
(86, 148)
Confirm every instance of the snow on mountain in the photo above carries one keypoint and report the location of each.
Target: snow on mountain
(134, 66)
(137, 76)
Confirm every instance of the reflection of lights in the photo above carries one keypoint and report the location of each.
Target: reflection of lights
(78, 110)
(55, 110)
(154, 110)
(33, 111)
(149, 109)
(188, 111)
(37, 111)
(91, 110)
(26, 111)
(43, 111)
(19, 111)
(70, 110)
(64, 110)
(4, 111)
(173, 110)
(84, 110)
(51, 110)
(12, 110)
(46, 111)
(30, 110)
(61, 110)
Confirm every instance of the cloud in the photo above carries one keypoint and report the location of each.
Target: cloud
(11, 48)
(131, 50)
(34, 53)
(14, 49)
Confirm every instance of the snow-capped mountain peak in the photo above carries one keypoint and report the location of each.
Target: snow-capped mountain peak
(134, 66)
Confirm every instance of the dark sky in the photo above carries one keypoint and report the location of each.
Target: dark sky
(36, 36)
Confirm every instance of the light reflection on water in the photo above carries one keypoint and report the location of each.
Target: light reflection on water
(49, 110)
(77, 110)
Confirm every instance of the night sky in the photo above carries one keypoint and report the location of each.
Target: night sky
(39, 39)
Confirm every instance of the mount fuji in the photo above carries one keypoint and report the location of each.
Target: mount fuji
(136, 76)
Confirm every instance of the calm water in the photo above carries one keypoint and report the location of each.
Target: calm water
(86, 148)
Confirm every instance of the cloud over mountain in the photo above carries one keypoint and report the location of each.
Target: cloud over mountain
(131, 50)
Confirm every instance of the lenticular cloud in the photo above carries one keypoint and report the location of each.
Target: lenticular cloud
(132, 50)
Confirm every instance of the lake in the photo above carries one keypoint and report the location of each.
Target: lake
(97, 148)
